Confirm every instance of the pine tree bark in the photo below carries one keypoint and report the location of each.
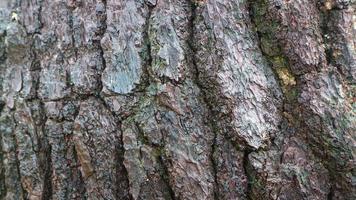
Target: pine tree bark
(177, 99)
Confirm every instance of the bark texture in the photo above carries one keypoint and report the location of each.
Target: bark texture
(177, 99)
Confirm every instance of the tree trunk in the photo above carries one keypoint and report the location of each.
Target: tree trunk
(177, 99)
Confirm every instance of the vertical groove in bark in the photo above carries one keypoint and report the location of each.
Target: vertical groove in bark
(2, 104)
(248, 172)
(148, 59)
(45, 150)
(101, 15)
(122, 191)
(257, 183)
(214, 167)
(122, 182)
(22, 194)
(2, 168)
(203, 96)
(166, 179)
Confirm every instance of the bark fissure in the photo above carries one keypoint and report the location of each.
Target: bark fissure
(16, 160)
(247, 169)
(103, 27)
(165, 175)
(203, 97)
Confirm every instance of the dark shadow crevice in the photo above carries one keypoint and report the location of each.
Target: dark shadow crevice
(212, 124)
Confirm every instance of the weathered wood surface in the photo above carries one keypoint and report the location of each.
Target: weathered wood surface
(177, 99)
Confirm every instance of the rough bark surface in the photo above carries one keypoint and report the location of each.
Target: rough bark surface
(177, 99)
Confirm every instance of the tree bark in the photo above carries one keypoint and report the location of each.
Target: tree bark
(177, 99)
